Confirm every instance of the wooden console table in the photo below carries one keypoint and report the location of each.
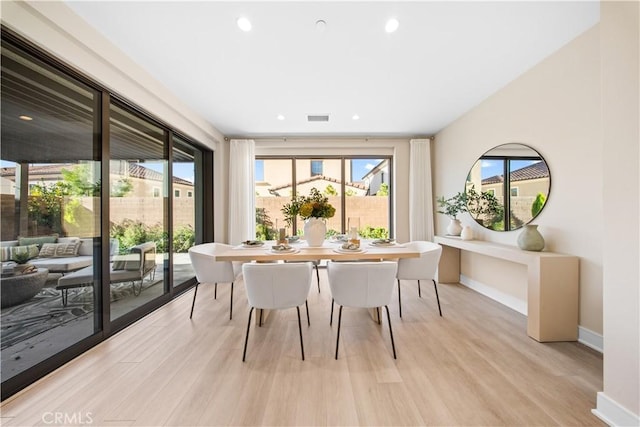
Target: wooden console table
(552, 284)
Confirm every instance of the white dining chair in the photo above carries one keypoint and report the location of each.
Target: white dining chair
(208, 270)
(422, 268)
(362, 284)
(278, 286)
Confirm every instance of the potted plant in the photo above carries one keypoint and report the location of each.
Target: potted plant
(451, 207)
(313, 209)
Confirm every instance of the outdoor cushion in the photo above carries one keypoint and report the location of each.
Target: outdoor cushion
(37, 240)
(60, 250)
(63, 265)
(8, 253)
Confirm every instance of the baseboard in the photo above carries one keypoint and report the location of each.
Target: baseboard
(509, 300)
(591, 339)
(612, 413)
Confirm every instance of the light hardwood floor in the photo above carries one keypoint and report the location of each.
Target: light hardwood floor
(474, 366)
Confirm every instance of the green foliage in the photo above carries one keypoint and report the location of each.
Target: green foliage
(330, 191)
(349, 192)
(121, 187)
(384, 190)
(21, 257)
(483, 204)
(538, 204)
(264, 225)
(183, 238)
(453, 206)
(78, 181)
(369, 232)
(45, 204)
(130, 233)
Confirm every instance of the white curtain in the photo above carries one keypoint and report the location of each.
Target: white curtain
(420, 191)
(242, 211)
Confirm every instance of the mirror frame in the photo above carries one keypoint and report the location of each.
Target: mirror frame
(498, 153)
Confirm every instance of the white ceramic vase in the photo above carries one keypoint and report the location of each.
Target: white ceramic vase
(454, 228)
(315, 230)
(530, 239)
(467, 233)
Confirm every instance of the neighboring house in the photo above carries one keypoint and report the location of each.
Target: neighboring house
(525, 182)
(377, 176)
(319, 182)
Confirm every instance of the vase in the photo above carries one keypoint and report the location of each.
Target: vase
(454, 228)
(530, 239)
(467, 233)
(315, 230)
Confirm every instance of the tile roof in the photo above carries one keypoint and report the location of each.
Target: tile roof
(535, 171)
(135, 171)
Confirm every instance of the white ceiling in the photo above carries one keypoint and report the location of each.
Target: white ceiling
(445, 58)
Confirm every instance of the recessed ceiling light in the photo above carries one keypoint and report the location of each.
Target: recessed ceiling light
(392, 25)
(356, 117)
(280, 117)
(321, 25)
(26, 118)
(244, 24)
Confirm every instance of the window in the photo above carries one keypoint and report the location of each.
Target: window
(316, 167)
(357, 187)
(156, 192)
(514, 191)
(176, 193)
(189, 193)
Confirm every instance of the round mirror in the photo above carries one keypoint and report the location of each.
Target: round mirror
(507, 187)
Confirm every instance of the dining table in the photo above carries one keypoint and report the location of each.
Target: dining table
(331, 249)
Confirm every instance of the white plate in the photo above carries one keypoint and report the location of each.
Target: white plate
(382, 244)
(348, 251)
(288, 251)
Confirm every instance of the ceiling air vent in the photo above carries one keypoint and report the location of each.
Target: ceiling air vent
(318, 118)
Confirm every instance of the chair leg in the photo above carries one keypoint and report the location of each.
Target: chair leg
(419, 293)
(260, 323)
(338, 337)
(307, 305)
(318, 277)
(231, 303)
(300, 329)
(215, 291)
(331, 320)
(246, 339)
(393, 345)
(437, 297)
(194, 300)
(399, 300)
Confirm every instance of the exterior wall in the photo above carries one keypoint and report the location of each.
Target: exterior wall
(555, 109)
(371, 211)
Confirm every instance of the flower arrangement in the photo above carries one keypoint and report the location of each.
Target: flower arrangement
(313, 206)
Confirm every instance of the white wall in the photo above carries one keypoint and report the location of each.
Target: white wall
(619, 403)
(554, 108)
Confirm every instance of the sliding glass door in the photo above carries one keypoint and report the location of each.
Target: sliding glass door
(50, 209)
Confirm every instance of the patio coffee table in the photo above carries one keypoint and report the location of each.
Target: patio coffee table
(22, 287)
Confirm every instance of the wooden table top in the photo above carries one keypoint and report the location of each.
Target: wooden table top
(329, 250)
